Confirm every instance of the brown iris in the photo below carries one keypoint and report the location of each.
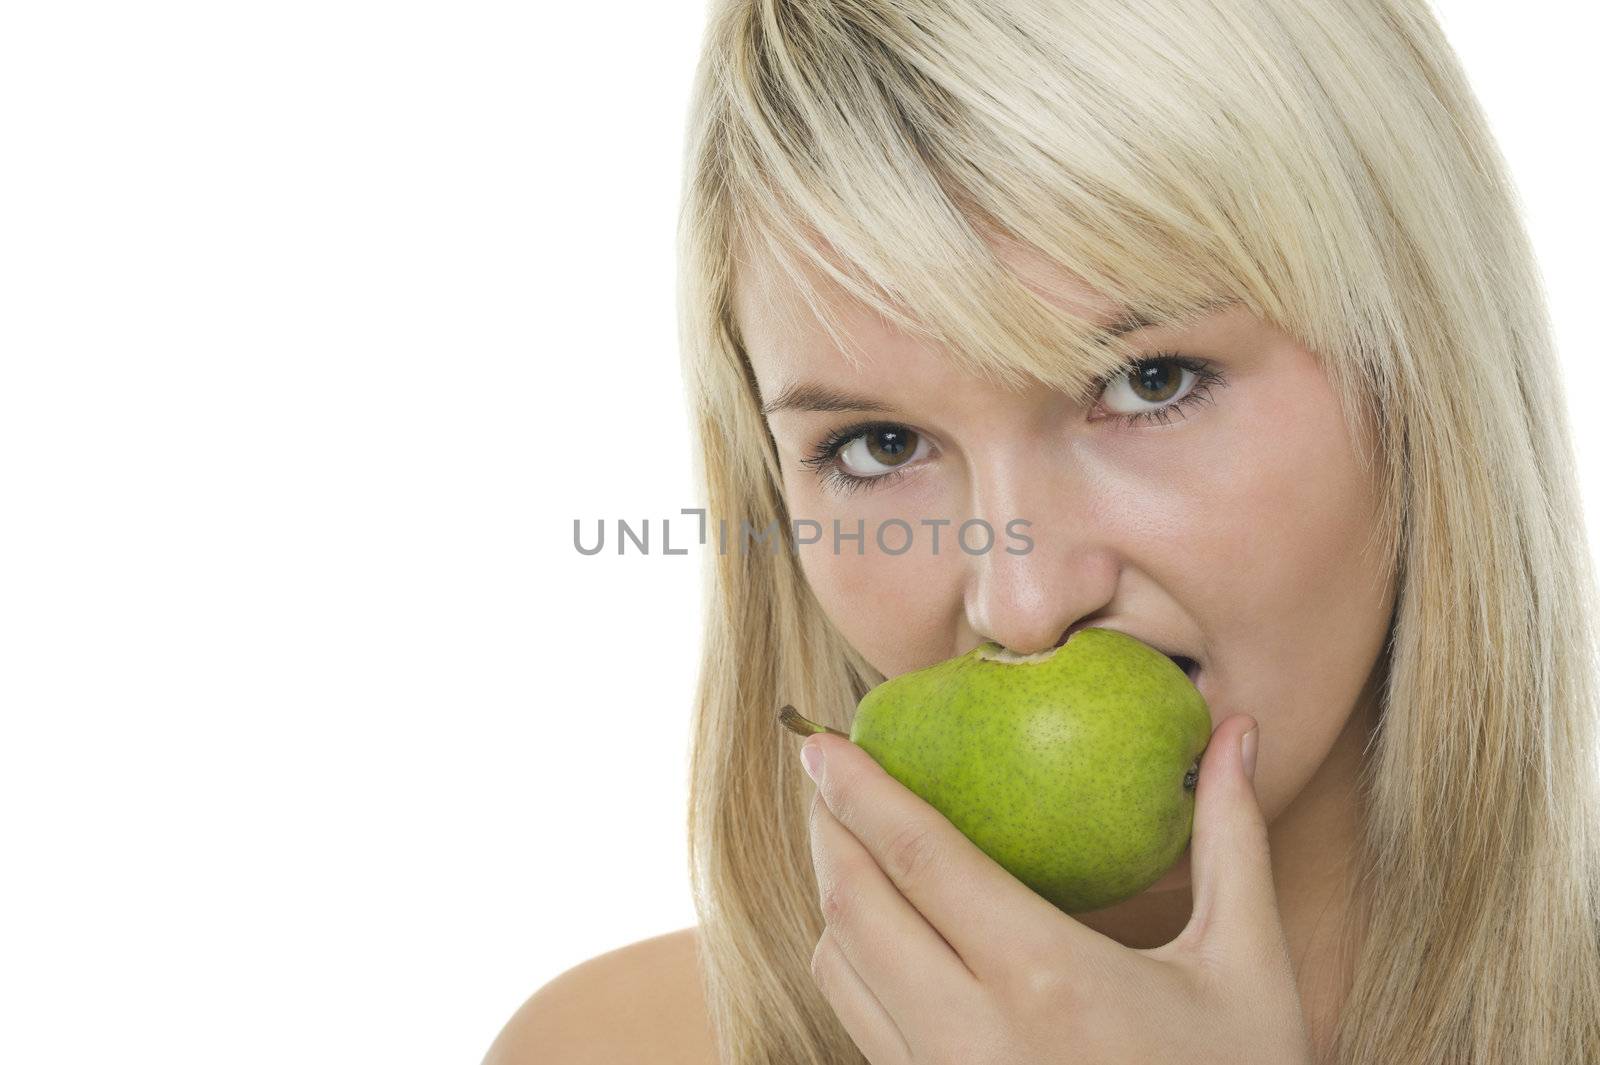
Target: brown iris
(891, 445)
(1157, 381)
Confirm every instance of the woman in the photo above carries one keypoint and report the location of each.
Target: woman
(1232, 305)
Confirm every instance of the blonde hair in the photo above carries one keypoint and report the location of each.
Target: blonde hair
(1324, 164)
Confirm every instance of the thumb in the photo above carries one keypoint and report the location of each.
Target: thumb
(1235, 903)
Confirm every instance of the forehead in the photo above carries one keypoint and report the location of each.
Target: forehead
(783, 337)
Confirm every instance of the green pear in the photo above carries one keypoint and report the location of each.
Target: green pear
(1074, 769)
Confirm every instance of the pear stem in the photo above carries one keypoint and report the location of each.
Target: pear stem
(790, 719)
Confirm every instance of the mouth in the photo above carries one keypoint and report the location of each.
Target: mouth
(1190, 667)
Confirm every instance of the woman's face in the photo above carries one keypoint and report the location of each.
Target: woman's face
(1232, 533)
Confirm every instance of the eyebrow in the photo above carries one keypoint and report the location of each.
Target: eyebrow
(821, 399)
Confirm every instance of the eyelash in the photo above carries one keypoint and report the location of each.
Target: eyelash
(823, 457)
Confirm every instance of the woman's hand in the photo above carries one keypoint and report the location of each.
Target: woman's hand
(934, 954)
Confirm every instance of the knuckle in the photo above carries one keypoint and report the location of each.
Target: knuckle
(1041, 988)
(840, 795)
(834, 902)
(911, 855)
(837, 890)
(1047, 986)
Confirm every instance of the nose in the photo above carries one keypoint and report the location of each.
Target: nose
(1032, 598)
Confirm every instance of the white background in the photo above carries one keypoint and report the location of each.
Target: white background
(320, 322)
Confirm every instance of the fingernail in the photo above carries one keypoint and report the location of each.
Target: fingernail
(811, 758)
(1247, 748)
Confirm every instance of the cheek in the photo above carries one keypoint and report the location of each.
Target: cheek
(899, 610)
(1293, 614)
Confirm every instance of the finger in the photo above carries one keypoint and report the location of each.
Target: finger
(986, 915)
(897, 953)
(1235, 901)
(864, 1019)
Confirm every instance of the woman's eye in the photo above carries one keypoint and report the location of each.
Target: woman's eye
(880, 451)
(1153, 388)
(866, 456)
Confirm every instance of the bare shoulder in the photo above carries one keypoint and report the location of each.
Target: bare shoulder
(641, 1002)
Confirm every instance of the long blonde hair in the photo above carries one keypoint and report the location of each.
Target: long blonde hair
(1325, 164)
